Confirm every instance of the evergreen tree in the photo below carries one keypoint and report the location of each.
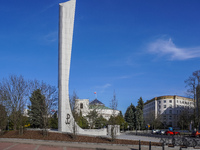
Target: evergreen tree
(54, 121)
(81, 121)
(36, 109)
(100, 122)
(140, 103)
(119, 120)
(92, 116)
(120, 114)
(130, 116)
(139, 114)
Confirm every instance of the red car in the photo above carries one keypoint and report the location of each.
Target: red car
(172, 133)
(195, 134)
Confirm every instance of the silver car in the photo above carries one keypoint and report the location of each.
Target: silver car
(155, 131)
(162, 132)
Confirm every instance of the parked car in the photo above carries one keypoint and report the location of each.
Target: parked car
(155, 131)
(162, 132)
(195, 134)
(172, 133)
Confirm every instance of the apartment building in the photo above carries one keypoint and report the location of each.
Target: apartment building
(167, 108)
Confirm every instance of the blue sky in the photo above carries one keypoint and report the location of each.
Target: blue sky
(137, 48)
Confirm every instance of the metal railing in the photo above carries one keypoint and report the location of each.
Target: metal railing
(180, 141)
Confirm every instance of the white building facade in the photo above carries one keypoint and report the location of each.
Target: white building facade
(167, 109)
(85, 107)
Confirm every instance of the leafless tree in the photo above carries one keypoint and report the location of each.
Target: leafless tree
(3, 119)
(74, 113)
(154, 121)
(113, 106)
(51, 100)
(13, 96)
(184, 119)
(193, 82)
(72, 103)
(150, 117)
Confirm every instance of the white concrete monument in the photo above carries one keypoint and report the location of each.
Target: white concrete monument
(66, 26)
(65, 118)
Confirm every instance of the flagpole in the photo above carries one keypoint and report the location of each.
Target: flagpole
(95, 93)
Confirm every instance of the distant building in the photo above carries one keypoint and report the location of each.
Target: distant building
(167, 108)
(25, 113)
(85, 107)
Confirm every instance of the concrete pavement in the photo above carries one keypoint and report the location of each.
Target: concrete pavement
(27, 144)
(30, 144)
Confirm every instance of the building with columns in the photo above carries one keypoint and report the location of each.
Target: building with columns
(167, 108)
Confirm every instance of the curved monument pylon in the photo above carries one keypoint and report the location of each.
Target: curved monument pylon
(66, 121)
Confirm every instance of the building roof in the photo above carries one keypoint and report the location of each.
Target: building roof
(96, 102)
(168, 97)
(98, 107)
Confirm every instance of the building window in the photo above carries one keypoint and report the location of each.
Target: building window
(170, 111)
(170, 106)
(164, 106)
(81, 105)
(177, 101)
(170, 101)
(164, 101)
(164, 123)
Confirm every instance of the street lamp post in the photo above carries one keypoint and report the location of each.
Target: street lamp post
(182, 124)
(8, 124)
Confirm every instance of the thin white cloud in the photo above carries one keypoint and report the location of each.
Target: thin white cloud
(102, 88)
(129, 76)
(51, 37)
(48, 7)
(167, 47)
(124, 77)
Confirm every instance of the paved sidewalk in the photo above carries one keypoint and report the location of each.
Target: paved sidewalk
(137, 137)
(27, 144)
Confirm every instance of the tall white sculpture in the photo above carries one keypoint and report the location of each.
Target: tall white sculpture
(66, 26)
(66, 121)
